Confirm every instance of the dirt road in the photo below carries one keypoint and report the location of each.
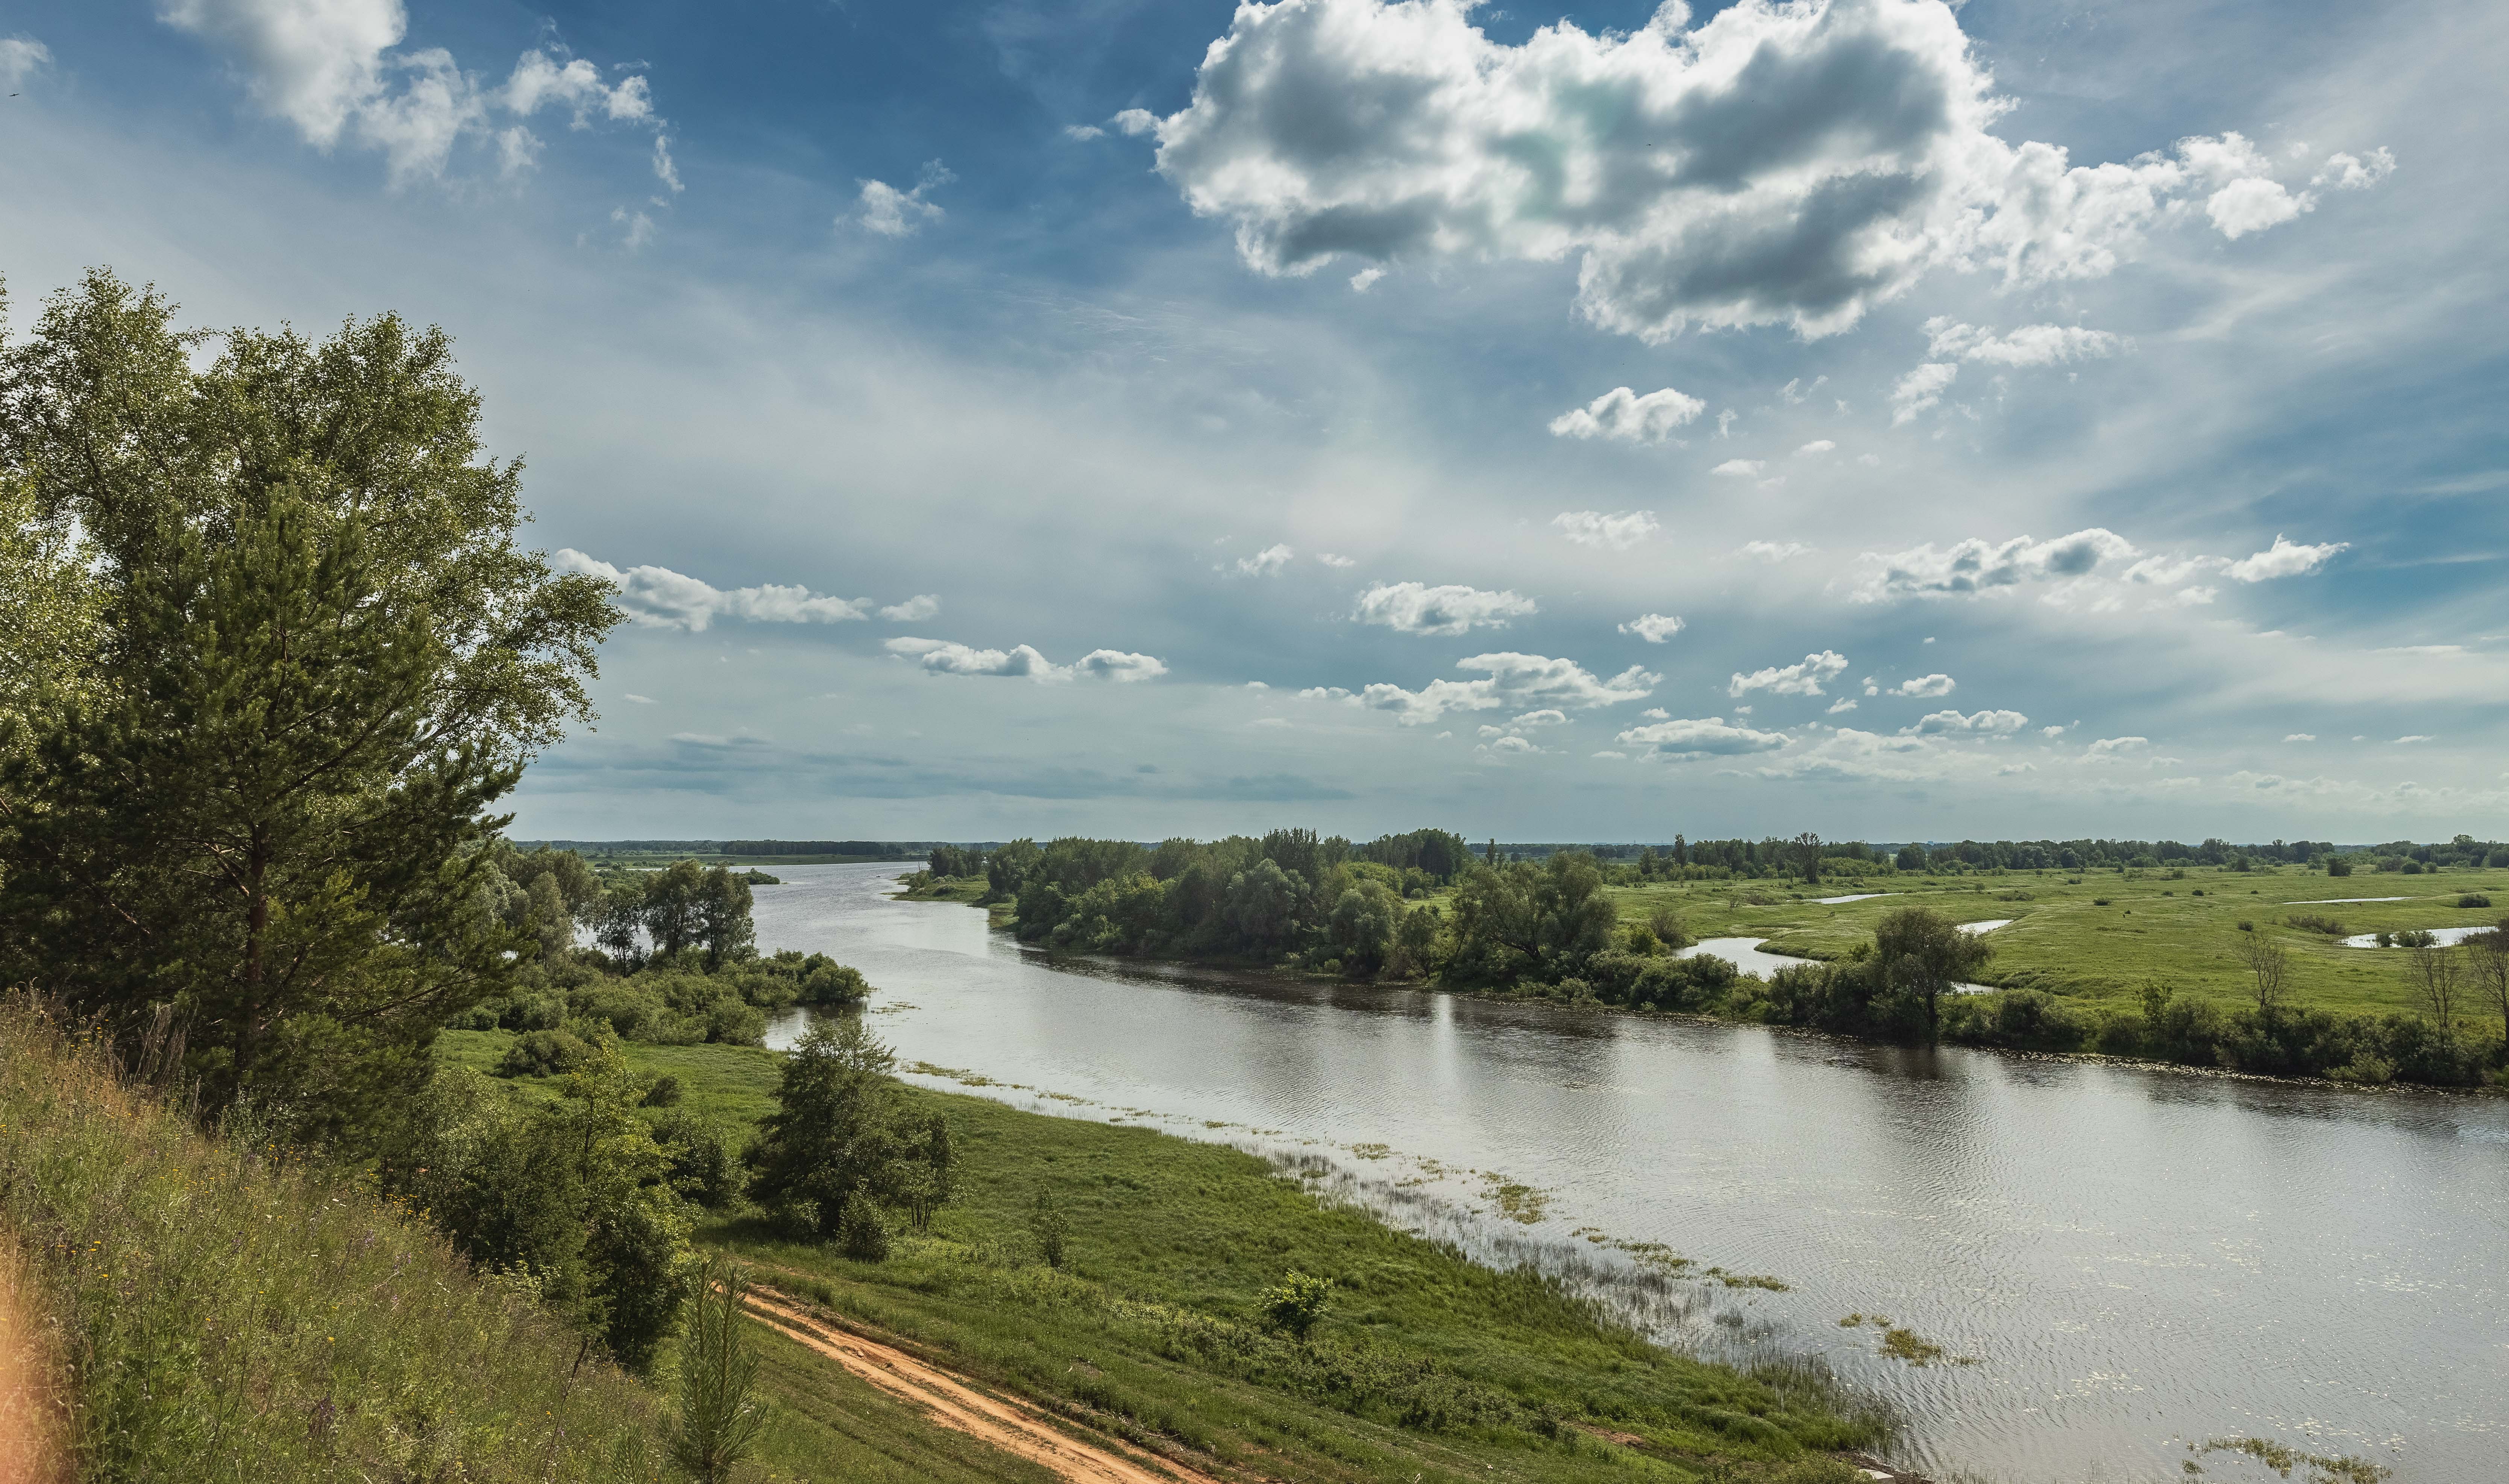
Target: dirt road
(1014, 1427)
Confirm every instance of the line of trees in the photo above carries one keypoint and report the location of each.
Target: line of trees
(1808, 857)
(1291, 893)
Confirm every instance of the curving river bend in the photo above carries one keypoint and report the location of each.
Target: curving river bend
(2134, 1257)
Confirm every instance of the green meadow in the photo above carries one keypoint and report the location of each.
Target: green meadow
(2099, 937)
(1425, 1367)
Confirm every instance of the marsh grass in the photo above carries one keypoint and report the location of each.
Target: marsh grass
(217, 1308)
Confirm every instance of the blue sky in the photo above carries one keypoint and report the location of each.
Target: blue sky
(1140, 419)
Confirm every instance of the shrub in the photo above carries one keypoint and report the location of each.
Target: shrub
(2417, 937)
(1053, 1234)
(2474, 899)
(543, 1054)
(2315, 922)
(1297, 1304)
(860, 1233)
(2099, 902)
(666, 1092)
(2245, 926)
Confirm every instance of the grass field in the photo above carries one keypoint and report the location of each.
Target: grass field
(1427, 1368)
(2099, 937)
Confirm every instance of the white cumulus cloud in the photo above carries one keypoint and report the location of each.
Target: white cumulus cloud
(1024, 662)
(1620, 530)
(2110, 746)
(1707, 736)
(1782, 163)
(657, 597)
(892, 212)
(1622, 414)
(1802, 678)
(921, 605)
(1265, 563)
(1415, 607)
(1817, 445)
(328, 67)
(1774, 551)
(1740, 468)
(1654, 628)
(1976, 566)
(1989, 723)
(1926, 687)
(1512, 679)
(2284, 559)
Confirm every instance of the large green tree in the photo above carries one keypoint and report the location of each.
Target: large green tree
(292, 654)
(110, 428)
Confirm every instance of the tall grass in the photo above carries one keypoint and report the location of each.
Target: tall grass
(214, 1308)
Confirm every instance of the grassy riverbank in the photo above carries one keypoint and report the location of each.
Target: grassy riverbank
(1426, 1367)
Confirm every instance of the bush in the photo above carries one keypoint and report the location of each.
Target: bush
(860, 1233)
(1297, 1304)
(2474, 899)
(2415, 938)
(2316, 922)
(666, 1092)
(1053, 1234)
(543, 1054)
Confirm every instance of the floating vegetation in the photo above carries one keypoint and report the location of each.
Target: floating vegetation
(2323, 1469)
(1371, 1151)
(1909, 1346)
(1217, 1122)
(1749, 1281)
(1656, 1258)
(1515, 1200)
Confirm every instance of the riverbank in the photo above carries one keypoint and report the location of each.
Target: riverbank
(1426, 1365)
(2328, 1022)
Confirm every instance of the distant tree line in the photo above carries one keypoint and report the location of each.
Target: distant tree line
(1808, 857)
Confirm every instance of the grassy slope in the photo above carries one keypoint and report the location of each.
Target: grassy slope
(967, 889)
(226, 1317)
(2153, 928)
(1172, 1241)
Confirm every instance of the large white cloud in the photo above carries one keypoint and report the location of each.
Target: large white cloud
(327, 68)
(1802, 678)
(1024, 662)
(1707, 736)
(1976, 565)
(1415, 607)
(1926, 687)
(1654, 628)
(660, 598)
(1622, 414)
(1513, 681)
(1784, 164)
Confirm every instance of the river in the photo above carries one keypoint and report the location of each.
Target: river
(2134, 1258)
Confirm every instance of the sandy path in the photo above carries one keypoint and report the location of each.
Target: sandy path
(1014, 1427)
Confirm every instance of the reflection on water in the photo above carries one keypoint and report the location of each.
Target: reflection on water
(2134, 1256)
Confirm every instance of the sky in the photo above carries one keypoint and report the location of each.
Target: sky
(1872, 417)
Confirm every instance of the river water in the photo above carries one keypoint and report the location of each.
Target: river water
(2134, 1258)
